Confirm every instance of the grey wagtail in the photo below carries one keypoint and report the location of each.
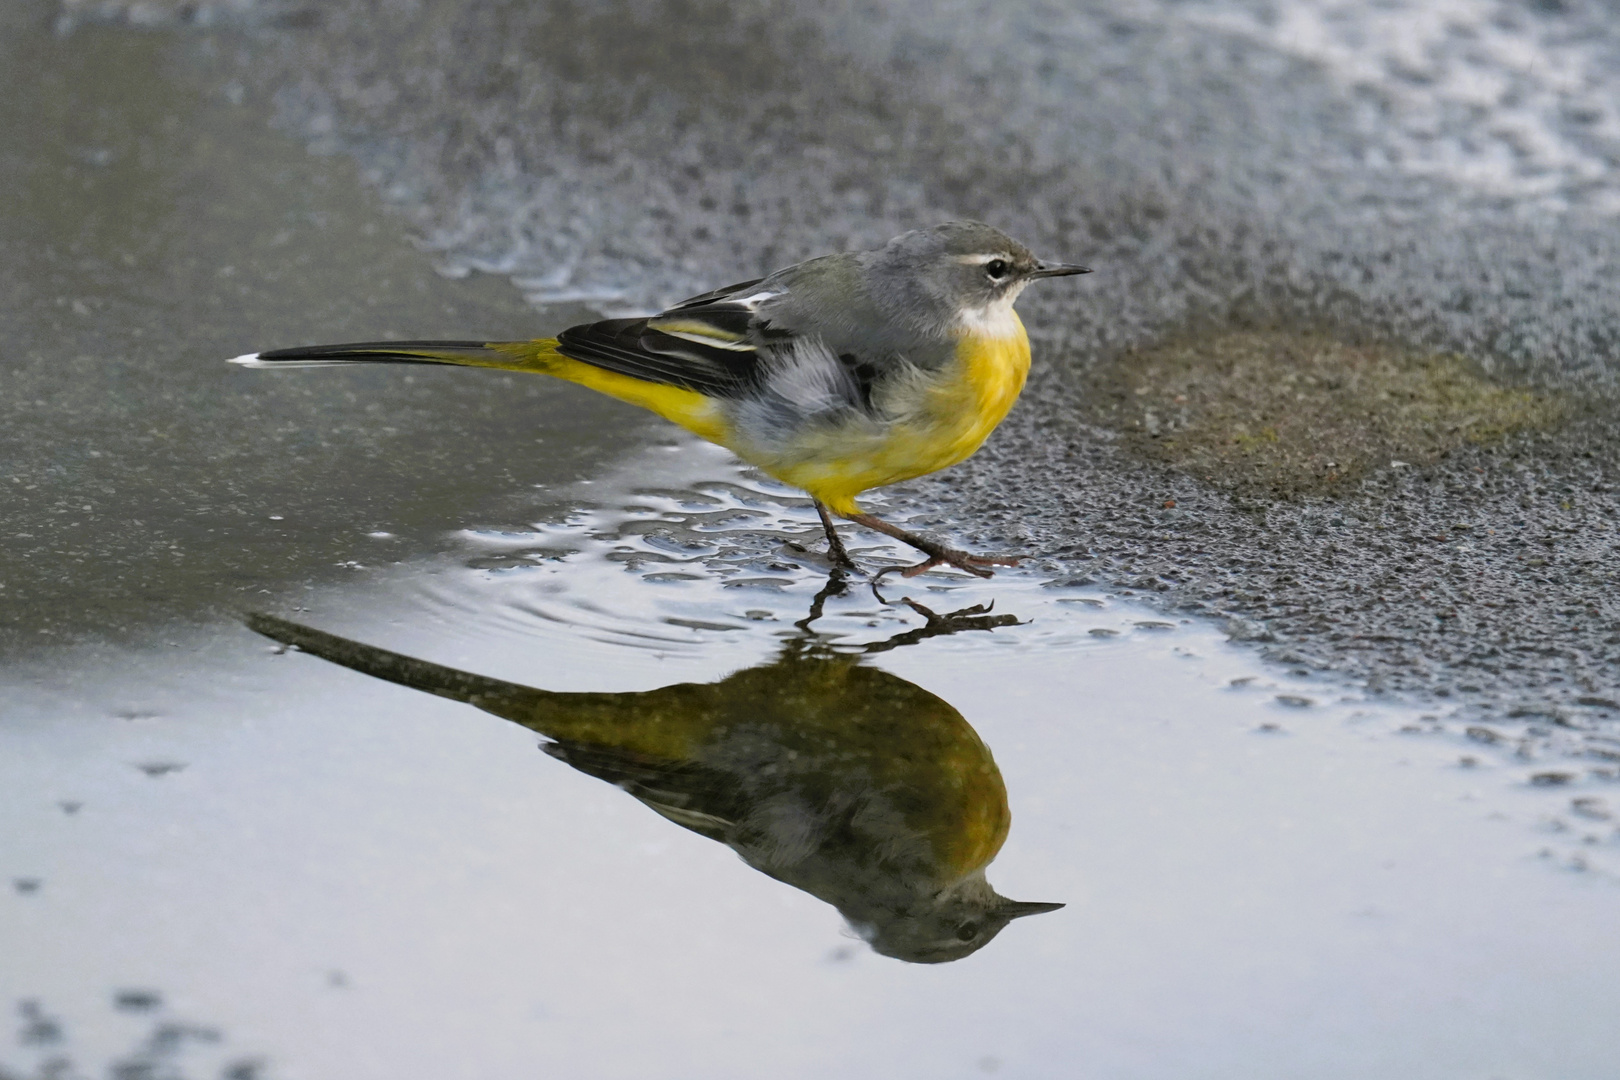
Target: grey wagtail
(852, 784)
(837, 375)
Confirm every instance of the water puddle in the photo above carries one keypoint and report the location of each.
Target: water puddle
(760, 835)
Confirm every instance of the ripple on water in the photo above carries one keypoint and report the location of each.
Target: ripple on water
(723, 556)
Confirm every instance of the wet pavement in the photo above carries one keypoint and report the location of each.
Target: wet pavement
(155, 227)
(1308, 697)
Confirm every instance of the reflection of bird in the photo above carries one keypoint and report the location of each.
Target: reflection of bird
(850, 783)
(837, 375)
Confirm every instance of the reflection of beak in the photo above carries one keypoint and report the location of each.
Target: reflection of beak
(1017, 909)
(1058, 270)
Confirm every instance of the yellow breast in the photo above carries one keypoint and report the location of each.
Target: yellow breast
(990, 376)
(940, 419)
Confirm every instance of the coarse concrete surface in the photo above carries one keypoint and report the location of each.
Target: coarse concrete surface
(1387, 191)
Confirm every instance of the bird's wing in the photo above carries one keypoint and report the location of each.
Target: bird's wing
(742, 288)
(725, 344)
(697, 797)
(709, 343)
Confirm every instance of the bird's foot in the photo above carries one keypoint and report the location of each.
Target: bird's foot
(938, 554)
(977, 565)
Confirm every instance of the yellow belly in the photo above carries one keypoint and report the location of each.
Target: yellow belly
(948, 418)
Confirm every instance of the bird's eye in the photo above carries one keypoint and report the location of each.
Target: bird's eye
(996, 268)
(967, 931)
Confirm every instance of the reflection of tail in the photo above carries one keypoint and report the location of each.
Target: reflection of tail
(486, 693)
(540, 355)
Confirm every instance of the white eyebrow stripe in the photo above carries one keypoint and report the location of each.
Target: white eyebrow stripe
(981, 260)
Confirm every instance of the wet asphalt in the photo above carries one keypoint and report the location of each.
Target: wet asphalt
(157, 228)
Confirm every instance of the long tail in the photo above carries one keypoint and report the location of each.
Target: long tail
(539, 356)
(688, 408)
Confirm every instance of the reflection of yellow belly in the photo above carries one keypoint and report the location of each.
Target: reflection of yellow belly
(942, 423)
(854, 725)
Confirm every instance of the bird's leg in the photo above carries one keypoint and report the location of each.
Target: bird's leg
(977, 565)
(835, 547)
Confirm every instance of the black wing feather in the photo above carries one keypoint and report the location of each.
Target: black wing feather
(715, 294)
(635, 348)
(630, 347)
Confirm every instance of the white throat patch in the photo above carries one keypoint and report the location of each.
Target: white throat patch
(993, 320)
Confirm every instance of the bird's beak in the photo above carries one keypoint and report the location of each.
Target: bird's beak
(1058, 270)
(1017, 909)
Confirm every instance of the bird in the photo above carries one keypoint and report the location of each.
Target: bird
(836, 375)
(834, 777)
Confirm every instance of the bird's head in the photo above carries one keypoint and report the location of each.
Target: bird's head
(955, 923)
(962, 276)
